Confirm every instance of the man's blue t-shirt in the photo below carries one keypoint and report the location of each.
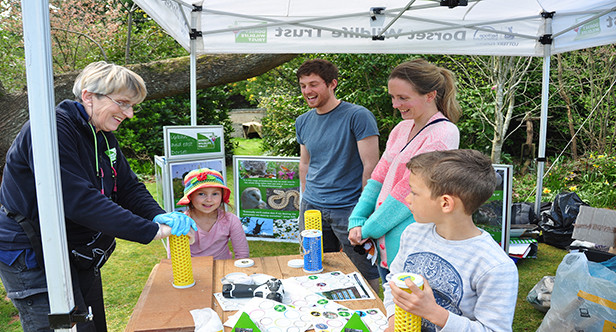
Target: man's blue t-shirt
(334, 178)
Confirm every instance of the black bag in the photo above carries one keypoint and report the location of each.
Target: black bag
(557, 224)
(95, 253)
(523, 213)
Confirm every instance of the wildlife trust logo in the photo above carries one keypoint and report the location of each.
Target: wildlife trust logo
(206, 140)
(590, 29)
(249, 35)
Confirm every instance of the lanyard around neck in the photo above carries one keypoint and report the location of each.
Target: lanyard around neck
(99, 170)
(424, 127)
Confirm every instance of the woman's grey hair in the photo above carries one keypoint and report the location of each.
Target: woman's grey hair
(106, 78)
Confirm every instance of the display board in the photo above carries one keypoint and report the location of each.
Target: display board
(179, 169)
(186, 148)
(160, 174)
(193, 142)
(170, 178)
(267, 196)
(495, 215)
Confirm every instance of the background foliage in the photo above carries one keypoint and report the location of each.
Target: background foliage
(119, 32)
(142, 136)
(363, 80)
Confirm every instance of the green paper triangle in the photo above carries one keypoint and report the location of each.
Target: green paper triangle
(245, 323)
(355, 324)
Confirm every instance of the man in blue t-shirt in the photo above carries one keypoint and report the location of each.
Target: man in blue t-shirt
(339, 148)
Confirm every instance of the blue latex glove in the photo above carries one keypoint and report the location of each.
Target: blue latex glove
(366, 204)
(180, 223)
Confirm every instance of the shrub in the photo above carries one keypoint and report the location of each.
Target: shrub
(141, 138)
(592, 177)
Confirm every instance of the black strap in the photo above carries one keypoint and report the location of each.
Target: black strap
(32, 231)
(424, 127)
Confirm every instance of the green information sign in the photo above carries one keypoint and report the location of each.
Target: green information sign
(193, 141)
(183, 144)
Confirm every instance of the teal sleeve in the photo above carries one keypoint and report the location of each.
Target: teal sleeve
(391, 213)
(366, 203)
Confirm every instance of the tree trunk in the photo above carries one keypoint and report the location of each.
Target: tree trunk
(567, 100)
(163, 79)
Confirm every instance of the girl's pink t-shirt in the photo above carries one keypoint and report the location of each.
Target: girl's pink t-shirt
(215, 242)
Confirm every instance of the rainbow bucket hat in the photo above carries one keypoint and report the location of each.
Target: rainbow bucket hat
(203, 178)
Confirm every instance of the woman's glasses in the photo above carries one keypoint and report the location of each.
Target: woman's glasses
(124, 106)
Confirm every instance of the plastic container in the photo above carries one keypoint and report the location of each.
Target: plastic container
(312, 245)
(312, 220)
(181, 263)
(405, 321)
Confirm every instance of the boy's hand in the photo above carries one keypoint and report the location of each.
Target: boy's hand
(419, 302)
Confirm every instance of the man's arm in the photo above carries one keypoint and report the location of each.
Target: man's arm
(369, 154)
(304, 161)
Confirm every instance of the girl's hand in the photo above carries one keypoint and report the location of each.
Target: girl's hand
(191, 236)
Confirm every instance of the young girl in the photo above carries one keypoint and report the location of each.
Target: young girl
(204, 194)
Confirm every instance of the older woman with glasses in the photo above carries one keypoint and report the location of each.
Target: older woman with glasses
(102, 198)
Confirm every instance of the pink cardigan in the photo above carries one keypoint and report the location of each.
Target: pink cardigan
(391, 170)
(216, 241)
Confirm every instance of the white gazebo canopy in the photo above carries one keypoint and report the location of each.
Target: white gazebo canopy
(489, 27)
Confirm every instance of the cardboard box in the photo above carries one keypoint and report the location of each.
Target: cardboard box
(596, 225)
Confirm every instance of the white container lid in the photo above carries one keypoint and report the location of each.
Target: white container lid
(260, 278)
(399, 279)
(236, 278)
(297, 263)
(244, 262)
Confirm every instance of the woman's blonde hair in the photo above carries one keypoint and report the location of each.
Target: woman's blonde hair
(106, 78)
(426, 77)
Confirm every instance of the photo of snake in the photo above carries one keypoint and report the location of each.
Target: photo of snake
(284, 199)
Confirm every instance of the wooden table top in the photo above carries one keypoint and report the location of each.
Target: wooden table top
(162, 307)
(158, 288)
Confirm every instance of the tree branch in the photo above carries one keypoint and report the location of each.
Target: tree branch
(86, 36)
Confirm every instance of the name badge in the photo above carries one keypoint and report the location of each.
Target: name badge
(112, 154)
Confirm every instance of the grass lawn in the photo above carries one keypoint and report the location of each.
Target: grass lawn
(128, 269)
(248, 147)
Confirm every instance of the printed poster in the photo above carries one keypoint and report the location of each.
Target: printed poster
(184, 142)
(159, 171)
(179, 169)
(494, 216)
(267, 196)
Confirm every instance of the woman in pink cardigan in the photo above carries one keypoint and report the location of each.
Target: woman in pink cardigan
(425, 95)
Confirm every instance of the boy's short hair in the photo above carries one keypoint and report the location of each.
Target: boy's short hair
(325, 69)
(466, 174)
